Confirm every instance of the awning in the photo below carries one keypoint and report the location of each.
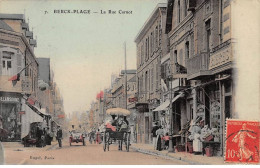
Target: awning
(163, 106)
(41, 112)
(29, 117)
(166, 104)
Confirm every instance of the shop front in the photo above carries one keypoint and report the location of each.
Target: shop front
(10, 111)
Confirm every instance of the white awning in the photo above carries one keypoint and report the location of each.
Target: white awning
(166, 104)
(29, 117)
(163, 106)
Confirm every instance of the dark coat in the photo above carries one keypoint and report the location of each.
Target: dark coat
(59, 134)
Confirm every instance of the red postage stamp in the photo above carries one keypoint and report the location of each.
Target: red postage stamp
(242, 141)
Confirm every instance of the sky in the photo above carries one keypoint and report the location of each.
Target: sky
(85, 49)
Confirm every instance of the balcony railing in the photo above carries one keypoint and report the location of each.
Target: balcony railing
(198, 66)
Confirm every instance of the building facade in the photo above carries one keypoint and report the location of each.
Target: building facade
(152, 44)
(18, 74)
(201, 54)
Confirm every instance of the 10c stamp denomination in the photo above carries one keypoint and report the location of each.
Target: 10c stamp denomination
(242, 141)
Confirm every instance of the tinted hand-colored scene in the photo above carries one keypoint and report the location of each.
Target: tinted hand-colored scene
(120, 82)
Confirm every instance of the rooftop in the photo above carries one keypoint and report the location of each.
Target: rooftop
(12, 16)
(5, 26)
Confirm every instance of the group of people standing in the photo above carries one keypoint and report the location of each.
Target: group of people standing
(160, 139)
(95, 136)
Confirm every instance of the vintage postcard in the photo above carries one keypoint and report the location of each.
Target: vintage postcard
(129, 82)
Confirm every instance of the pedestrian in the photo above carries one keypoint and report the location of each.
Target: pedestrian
(39, 136)
(155, 128)
(166, 139)
(159, 134)
(59, 136)
(98, 138)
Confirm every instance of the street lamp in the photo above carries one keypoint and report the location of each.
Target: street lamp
(171, 149)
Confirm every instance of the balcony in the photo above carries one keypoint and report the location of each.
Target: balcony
(179, 84)
(221, 57)
(179, 71)
(198, 66)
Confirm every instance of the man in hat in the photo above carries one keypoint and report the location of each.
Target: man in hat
(59, 136)
(155, 128)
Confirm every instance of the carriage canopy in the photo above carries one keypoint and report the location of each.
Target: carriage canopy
(118, 111)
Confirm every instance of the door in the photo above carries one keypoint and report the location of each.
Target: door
(147, 131)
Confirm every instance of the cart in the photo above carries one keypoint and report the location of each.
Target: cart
(121, 136)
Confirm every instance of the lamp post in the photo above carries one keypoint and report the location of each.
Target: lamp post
(171, 149)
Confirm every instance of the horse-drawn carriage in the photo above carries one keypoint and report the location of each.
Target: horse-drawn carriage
(117, 130)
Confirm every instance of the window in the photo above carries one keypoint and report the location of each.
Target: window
(187, 49)
(179, 11)
(208, 34)
(152, 79)
(152, 49)
(185, 8)
(156, 36)
(7, 67)
(175, 57)
(9, 64)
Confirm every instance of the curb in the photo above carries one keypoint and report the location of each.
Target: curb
(166, 156)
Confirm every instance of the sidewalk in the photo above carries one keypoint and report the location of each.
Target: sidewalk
(186, 157)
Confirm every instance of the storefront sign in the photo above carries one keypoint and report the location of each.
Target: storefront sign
(220, 57)
(9, 99)
(242, 141)
(21, 112)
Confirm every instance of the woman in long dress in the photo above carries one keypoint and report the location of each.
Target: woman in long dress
(98, 137)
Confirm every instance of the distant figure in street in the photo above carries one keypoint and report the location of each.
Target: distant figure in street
(155, 128)
(98, 137)
(59, 136)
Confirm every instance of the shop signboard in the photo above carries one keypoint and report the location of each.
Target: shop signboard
(9, 99)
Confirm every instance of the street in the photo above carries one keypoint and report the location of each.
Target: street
(91, 154)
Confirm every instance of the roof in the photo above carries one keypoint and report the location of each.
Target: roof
(130, 71)
(150, 18)
(12, 16)
(133, 79)
(5, 26)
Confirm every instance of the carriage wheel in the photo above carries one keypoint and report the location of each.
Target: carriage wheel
(107, 141)
(104, 142)
(127, 141)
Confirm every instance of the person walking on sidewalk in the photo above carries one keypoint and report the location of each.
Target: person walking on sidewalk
(159, 134)
(59, 136)
(155, 128)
